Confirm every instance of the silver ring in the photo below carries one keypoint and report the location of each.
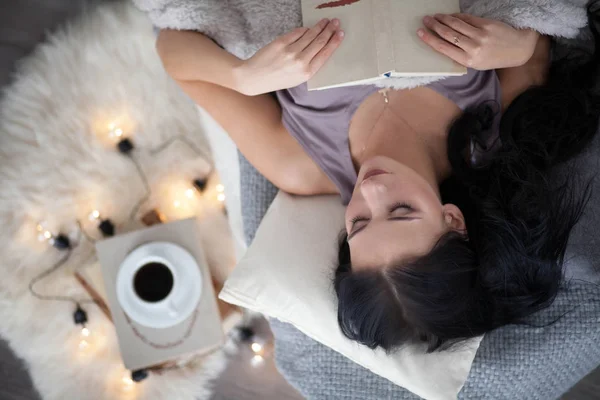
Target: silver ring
(456, 40)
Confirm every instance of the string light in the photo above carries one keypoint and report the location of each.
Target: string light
(105, 225)
(256, 347)
(259, 349)
(44, 234)
(59, 241)
(126, 382)
(88, 339)
(114, 131)
(257, 360)
(94, 215)
(200, 184)
(80, 318)
(220, 189)
(83, 345)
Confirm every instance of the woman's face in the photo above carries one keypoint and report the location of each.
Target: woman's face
(395, 215)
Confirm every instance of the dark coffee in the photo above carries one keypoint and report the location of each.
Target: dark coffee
(153, 282)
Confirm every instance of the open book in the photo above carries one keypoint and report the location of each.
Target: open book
(381, 40)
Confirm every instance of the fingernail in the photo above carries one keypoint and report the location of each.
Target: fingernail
(420, 33)
(336, 22)
(427, 19)
(325, 20)
(341, 34)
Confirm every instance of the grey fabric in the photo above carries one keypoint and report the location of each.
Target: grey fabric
(257, 195)
(242, 27)
(515, 362)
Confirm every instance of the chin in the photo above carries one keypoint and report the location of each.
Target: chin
(377, 162)
(383, 163)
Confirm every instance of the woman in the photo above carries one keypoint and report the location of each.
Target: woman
(453, 225)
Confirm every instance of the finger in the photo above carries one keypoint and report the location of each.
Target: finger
(471, 19)
(309, 36)
(443, 47)
(320, 41)
(326, 52)
(448, 34)
(293, 36)
(458, 25)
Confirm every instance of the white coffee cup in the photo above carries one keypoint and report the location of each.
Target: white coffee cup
(162, 308)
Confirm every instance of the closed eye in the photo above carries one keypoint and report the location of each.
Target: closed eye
(396, 207)
(354, 220)
(401, 206)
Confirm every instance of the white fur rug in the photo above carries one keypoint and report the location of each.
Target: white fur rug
(57, 163)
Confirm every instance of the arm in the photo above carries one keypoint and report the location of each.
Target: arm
(190, 56)
(230, 90)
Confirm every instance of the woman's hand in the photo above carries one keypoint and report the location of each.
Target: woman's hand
(290, 60)
(479, 43)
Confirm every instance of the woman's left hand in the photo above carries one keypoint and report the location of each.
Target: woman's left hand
(479, 43)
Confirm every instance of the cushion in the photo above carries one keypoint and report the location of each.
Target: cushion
(287, 274)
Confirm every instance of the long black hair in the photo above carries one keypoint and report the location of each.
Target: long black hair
(518, 214)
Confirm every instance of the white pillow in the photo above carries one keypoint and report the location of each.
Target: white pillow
(287, 274)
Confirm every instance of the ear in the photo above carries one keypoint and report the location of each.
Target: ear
(454, 218)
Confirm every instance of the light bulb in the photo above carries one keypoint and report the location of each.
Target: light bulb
(256, 347)
(220, 188)
(257, 361)
(114, 131)
(83, 345)
(46, 236)
(221, 197)
(94, 215)
(43, 233)
(127, 382)
(189, 193)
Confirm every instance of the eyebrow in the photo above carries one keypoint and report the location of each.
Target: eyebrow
(389, 219)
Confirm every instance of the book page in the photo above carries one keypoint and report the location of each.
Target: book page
(356, 58)
(412, 56)
(384, 39)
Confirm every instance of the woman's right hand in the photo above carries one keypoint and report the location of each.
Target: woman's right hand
(290, 60)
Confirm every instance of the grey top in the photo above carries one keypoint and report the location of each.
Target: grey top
(320, 120)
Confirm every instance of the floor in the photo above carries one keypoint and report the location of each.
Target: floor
(23, 23)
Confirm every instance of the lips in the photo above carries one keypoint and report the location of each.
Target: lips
(374, 172)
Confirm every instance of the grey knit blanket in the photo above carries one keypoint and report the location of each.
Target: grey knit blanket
(242, 27)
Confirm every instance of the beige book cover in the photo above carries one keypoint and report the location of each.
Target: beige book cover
(381, 40)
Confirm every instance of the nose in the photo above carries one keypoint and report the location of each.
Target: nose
(375, 193)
